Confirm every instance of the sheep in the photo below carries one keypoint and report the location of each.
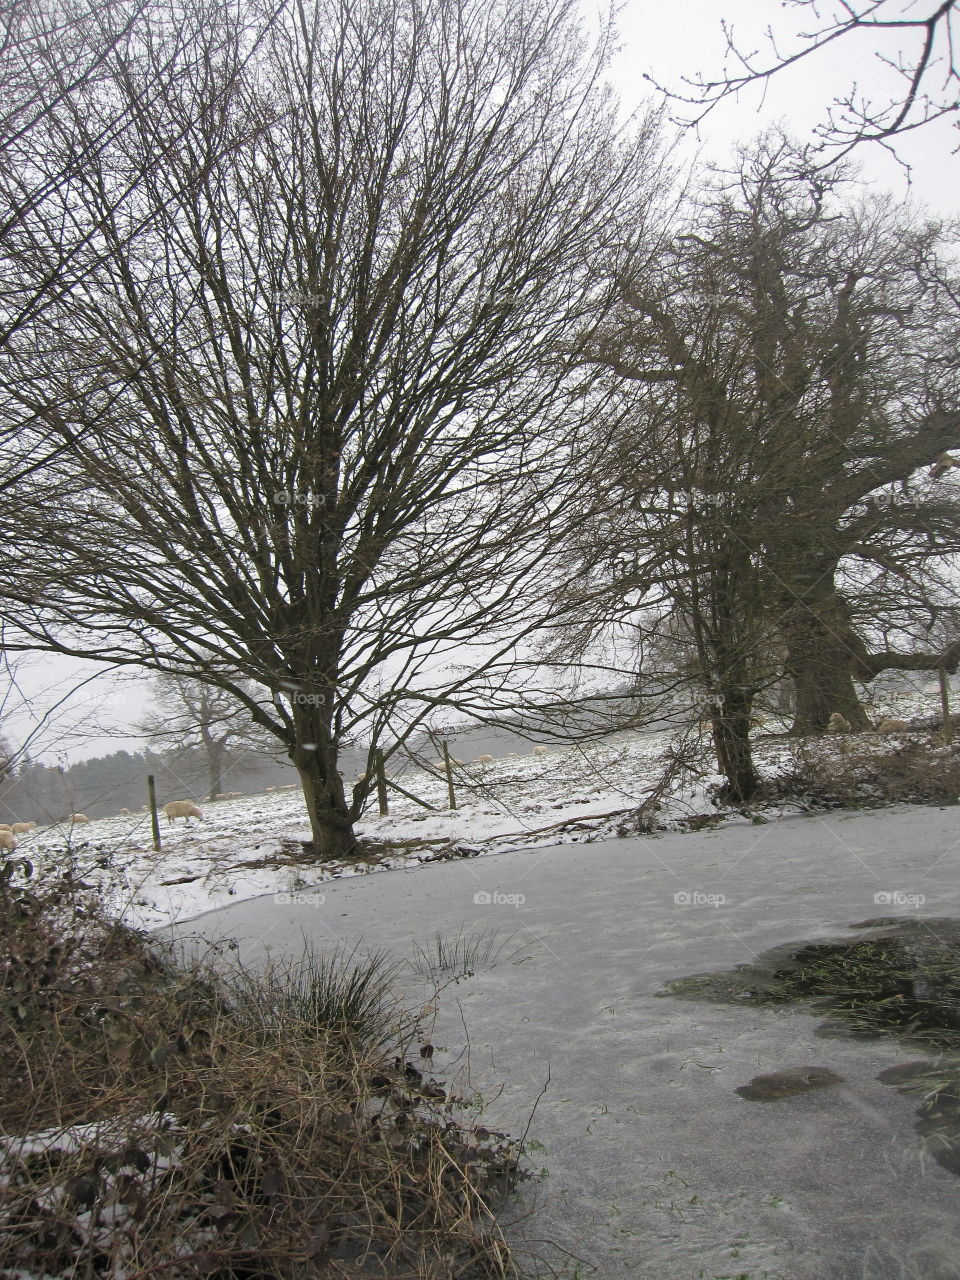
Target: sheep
(7, 841)
(220, 795)
(124, 813)
(79, 819)
(290, 786)
(539, 751)
(838, 723)
(892, 726)
(234, 795)
(273, 788)
(484, 760)
(21, 828)
(185, 809)
(942, 466)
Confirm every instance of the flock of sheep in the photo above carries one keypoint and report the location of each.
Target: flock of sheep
(187, 810)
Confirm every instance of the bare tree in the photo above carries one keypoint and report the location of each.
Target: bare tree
(315, 432)
(917, 44)
(60, 118)
(792, 377)
(189, 714)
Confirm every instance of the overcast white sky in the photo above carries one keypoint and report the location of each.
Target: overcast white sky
(665, 40)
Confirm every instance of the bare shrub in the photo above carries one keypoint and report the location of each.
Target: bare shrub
(160, 1120)
(861, 772)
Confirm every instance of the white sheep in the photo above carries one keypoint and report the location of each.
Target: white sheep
(290, 786)
(273, 788)
(838, 724)
(484, 760)
(234, 795)
(220, 795)
(185, 809)
(540, 751)
(78, 819)
(893, 726)
(124, 813)
(7, 841)
(21, 828)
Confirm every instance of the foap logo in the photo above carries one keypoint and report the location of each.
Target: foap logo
(694, 898)
(298, 298)
(484, 899)
(887, 500)
(296, 696)
(301, 899)
(897, 898)
(284, 498)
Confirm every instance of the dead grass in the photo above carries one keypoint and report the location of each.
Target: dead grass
(160, 1120)
(865, 770)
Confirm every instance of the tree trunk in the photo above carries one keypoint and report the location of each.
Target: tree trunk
(315, 756)
(821, 652)
(731, 736)
(215, 763)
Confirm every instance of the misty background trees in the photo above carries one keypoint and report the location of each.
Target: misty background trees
(390, 376)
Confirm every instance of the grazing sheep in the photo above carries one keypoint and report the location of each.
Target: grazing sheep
(7, 841)
(220, 795)
(185, 809)
(21, 828)
(290, 786)
(124, 813)
(942, 466)
(539, 751)
(484, 760)
(892, 726)
(78, 819)
(273, 788)
(838, 724)
(234, 795)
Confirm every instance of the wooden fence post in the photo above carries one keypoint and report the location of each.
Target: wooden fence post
(945, 704)
(448, 766)
(152, 794)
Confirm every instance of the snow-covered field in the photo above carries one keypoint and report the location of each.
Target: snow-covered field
(247, 847)
(251, 846)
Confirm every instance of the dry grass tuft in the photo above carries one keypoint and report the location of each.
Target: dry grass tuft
(161, 1120)
(866, 770)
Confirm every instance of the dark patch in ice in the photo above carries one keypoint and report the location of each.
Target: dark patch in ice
(788, 1083)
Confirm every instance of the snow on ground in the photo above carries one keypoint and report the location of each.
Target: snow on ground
(244, 848)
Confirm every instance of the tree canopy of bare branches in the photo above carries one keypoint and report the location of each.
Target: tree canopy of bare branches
(314, 429)
(917, 44)
(791, 373)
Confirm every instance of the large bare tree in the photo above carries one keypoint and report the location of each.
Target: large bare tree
(791, 366)
(314, 429)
